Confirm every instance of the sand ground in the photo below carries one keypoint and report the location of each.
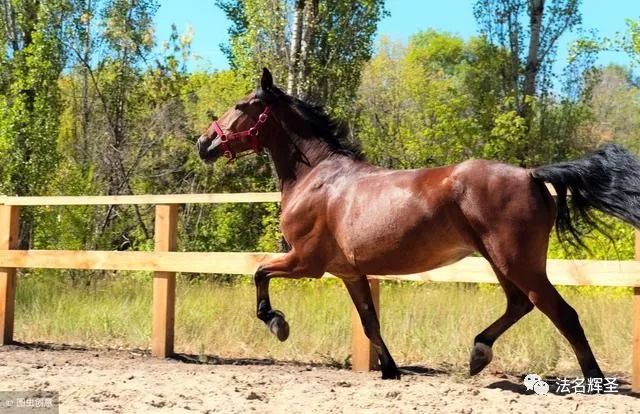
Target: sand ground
(91, 381)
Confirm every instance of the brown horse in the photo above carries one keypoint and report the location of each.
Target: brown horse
(347, 217)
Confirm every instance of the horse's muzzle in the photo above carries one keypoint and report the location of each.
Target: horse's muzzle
(207, 149)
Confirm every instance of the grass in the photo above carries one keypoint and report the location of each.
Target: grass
(430, 324)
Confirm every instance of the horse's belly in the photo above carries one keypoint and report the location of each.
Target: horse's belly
(404, 262)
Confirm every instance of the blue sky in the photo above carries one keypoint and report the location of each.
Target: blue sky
(407, 17)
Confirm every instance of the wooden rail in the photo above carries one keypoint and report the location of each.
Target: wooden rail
(164, 261)
(142, 199)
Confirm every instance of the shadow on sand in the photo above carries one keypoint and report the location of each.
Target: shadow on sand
(517, 387)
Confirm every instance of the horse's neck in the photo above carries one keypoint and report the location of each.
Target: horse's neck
(297, 158)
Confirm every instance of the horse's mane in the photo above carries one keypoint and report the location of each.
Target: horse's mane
(331, 131)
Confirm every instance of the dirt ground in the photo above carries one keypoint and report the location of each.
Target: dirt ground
(90, 381)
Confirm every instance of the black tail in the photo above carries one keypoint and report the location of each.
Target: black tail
(607, 179)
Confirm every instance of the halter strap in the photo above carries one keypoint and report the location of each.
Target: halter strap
(253, 132)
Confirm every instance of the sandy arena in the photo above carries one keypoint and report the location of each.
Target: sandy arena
(91, 381)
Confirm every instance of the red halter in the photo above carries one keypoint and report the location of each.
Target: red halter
(253, 132)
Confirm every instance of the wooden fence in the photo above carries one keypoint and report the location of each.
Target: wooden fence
(165, 262)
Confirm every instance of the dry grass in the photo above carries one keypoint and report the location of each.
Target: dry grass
(430, 324)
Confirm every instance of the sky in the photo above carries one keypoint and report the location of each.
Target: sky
(407, 17)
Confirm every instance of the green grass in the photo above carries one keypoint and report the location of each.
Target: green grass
(431, 324)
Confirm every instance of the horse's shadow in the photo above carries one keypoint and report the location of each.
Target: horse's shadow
(208, 359)
(624, 388)
(422, 370)
(200, 359)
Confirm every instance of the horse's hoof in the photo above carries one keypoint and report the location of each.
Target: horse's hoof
(392, 374)
(481, 355)
(279, 327)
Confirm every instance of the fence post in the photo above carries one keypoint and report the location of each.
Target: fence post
(164, 284)
(9, 235)
(635, 357)
(363, 356)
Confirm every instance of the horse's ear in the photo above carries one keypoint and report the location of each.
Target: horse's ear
(267, 80)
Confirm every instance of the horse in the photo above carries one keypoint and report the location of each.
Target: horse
(342, 215)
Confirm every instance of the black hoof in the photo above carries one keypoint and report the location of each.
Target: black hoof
(481, 355)
(279, 327)
(391, 374)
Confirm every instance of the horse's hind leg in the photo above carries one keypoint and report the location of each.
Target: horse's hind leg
(546, 298)
(518, 305)
(360, 293)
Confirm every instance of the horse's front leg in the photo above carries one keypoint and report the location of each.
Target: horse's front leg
(289, 266)
(360, 293)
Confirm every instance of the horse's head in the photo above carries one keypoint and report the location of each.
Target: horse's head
(241, 128)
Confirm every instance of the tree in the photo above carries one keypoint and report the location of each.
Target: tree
(531, 48)
(31, 61)
(316, 48)
(439, 100)
(615, 105)
(527, 31)
(414, 107)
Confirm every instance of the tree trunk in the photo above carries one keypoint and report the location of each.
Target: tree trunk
(85, 92)
(308, 31)
(294, 53)
(536, 10)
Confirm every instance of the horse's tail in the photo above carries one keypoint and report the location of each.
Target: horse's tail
(607, 179)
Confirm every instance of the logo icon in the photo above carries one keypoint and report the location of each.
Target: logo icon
(534, 383)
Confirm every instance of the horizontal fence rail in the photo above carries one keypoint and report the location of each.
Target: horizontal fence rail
(469, 270)
(218, 198)
(165, 262)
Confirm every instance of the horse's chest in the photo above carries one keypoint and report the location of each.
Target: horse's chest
(301, 219)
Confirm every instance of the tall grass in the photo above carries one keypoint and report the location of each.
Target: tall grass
(431, 324)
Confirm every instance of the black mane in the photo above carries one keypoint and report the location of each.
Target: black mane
(329, 130)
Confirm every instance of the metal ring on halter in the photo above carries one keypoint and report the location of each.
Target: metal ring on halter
(228, 154)
(253, 132)
(223, 138)
(262, 118)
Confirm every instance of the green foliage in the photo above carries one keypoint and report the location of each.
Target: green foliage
(29, 97)
(440, 100)
(616, 241)
(633, 47)
(337, 46)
